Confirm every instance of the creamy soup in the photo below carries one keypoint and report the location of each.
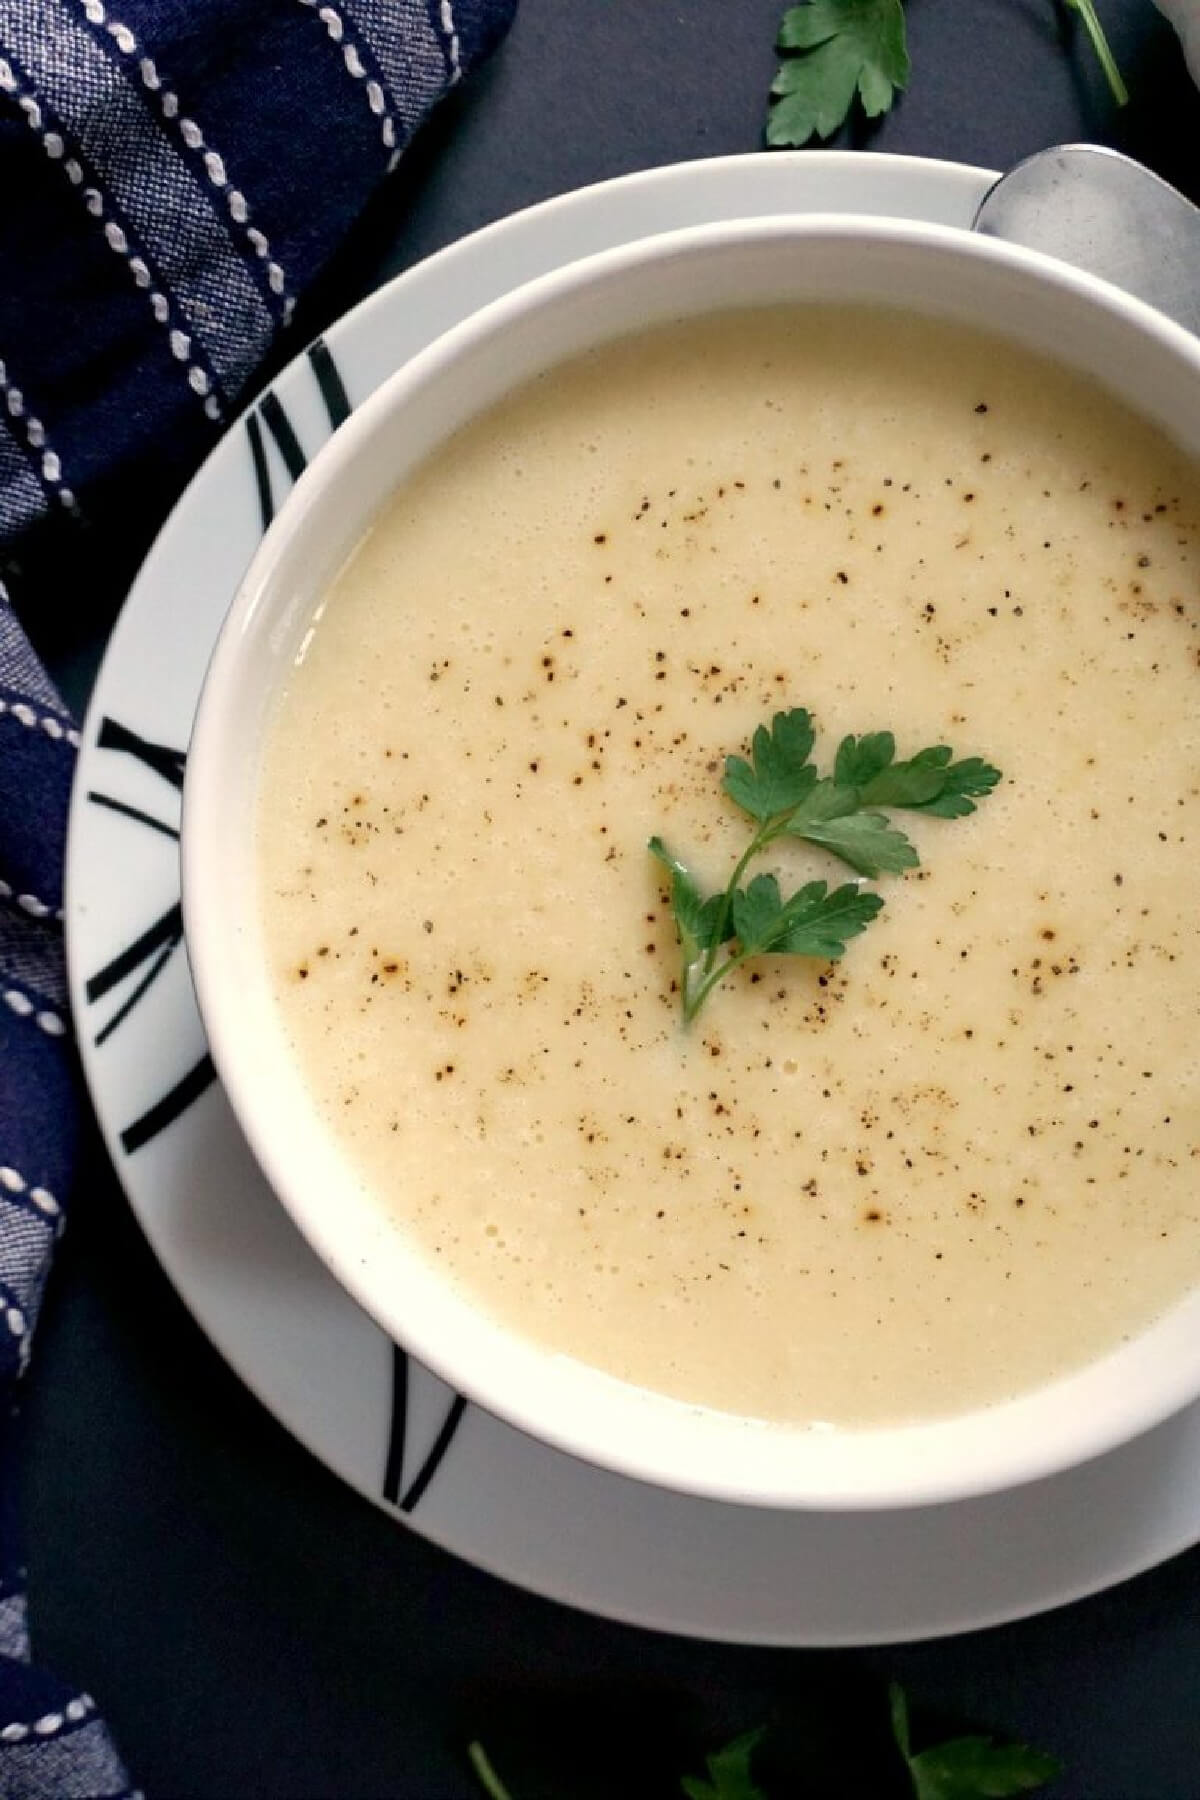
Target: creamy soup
(954, 1164)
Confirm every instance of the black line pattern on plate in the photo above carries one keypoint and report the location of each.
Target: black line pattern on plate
(407, 1499)
(176, 1100)
(164, 760)
(271, 412)
(262, 473)
(393, 1468)
(148, 953)
(284, 433)
(133, 812)
(333, 392)
(154, 946)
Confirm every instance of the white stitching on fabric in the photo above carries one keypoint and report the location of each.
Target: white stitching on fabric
(25, 714)
(29, 903)
(24, 1008)
(49, 1724)
(94, 202)
(335, 27)
(193, 137)
(46, 463)
(15, 1183)
(451, 30)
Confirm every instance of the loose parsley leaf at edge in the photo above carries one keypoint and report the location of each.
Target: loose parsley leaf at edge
(729, 1776)
(815, 85)
(977, 1768)
(834, 50)
(967, 1768)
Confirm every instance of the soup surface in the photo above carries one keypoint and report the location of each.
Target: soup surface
(961, 1160)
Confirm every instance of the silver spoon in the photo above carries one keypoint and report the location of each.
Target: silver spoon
(1107, 214)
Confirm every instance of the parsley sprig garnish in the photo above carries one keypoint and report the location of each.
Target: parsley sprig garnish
(781, 789)
(836, 51)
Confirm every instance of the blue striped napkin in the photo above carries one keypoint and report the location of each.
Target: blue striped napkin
(174, 172)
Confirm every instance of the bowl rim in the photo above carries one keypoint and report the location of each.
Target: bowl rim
(921, 1474)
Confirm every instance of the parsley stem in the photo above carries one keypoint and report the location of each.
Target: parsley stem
(694, 997)
(766, 833)
(1104, 56)
(487, 1776)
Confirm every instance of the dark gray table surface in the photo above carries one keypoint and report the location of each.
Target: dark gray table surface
(250, 1626)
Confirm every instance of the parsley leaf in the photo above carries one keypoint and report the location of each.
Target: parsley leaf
(967, 1768)
(928, 782)
(781, 773)
(869, 764)
(729, 1776)
(976, 1768)
(780, 789)
(833, 50)
(971, 777)
(821, 924)
(697, 920)
(758, 915)
(813, 922)
(830, 817)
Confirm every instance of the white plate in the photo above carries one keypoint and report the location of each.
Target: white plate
(382, 1423)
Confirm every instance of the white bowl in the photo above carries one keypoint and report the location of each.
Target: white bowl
(1147, 361)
